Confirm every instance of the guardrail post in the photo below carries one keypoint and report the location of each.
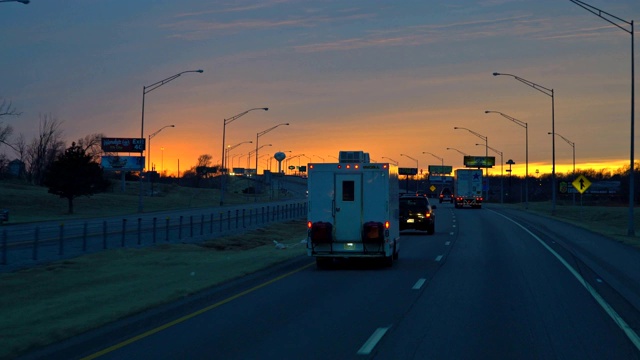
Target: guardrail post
(104, 235)
(237, 212)
(155, 221)
(139, 231)
(243, 217)
(84, 237)
(61, 240)
(166, 238)
(228, 219)
(180, 228)
(220, 222)
(190, 226)
(211, 224)
(36, 238)
(262, 220)
(4, 247)
(201, 224)
(124, 228)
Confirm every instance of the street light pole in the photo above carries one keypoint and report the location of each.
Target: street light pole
(486, 155)
(461, 152)
(550, 93)
(573, 145)
(599, 13)
(526, 170)
(436, 156)
(258, 139)
(417, 167)
(151, 137)
(501, 172)
(390, 159)
(224, 130)
(228, 150)
(145, 91)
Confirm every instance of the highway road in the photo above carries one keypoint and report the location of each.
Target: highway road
(490, 284)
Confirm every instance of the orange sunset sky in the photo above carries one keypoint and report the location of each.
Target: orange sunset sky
(386, 77)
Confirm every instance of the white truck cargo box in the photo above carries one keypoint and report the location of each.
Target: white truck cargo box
(353, 211)
(467, 188)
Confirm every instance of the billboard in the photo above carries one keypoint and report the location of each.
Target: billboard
(437, 169)
(122, 163)
(479, 161)
(123, 145)
(407, 171)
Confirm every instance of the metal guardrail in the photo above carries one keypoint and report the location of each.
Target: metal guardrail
(42, 244)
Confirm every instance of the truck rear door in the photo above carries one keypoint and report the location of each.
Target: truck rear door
(348, 207)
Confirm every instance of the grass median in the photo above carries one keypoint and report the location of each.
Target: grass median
(49, 303)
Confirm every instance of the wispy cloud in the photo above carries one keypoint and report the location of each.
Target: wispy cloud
(425, 34)
(194, 29)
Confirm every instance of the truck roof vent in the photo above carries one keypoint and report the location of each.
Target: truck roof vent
(353, 157)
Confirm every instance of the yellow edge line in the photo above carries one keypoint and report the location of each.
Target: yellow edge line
(192, 315)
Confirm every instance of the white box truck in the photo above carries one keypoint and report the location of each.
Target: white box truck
(467, 187)
(353, 210)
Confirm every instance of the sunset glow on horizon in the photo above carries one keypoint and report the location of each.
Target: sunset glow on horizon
(385, 77)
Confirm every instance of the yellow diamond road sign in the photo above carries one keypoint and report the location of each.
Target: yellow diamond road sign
(432, 188)
(581, 184)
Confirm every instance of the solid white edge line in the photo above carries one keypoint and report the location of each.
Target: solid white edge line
(372, 341)
(447, 243)
(419, 284)
(632, 335)
(439, 257)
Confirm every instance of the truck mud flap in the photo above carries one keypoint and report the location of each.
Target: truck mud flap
(321, 232)
(373, 234)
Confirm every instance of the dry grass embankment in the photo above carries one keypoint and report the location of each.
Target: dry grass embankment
(28, 203)
(610, 221)
(47, 304)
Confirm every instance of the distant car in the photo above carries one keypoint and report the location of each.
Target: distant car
(446, 195)
(417, 213)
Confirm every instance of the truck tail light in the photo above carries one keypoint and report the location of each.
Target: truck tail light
(372, 231)
(321, 232)
(309, 223)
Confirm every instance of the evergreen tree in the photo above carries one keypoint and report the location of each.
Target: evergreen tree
(74, 174)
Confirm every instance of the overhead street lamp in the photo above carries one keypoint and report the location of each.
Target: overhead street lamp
(417, 167)
(291, 158)
(321, 158)
(151, 137)
(486, 154)
(461, 152)
(605, 16)
(550, 93)
(229, 148)
(436, 156)
(573, 145)
(526, 171)
(331, 156)
(501, 172)
(254, 152)
(145, 90)
(390, 159)
(223, 165)
(258, 139)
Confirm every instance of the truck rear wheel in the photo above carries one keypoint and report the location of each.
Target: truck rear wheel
(322, 262)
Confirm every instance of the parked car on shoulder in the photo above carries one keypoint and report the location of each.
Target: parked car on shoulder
(417, 213)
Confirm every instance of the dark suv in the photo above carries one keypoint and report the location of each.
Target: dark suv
(416, 213)
(446, 195)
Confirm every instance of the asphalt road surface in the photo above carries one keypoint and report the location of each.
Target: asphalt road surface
(490, 284)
